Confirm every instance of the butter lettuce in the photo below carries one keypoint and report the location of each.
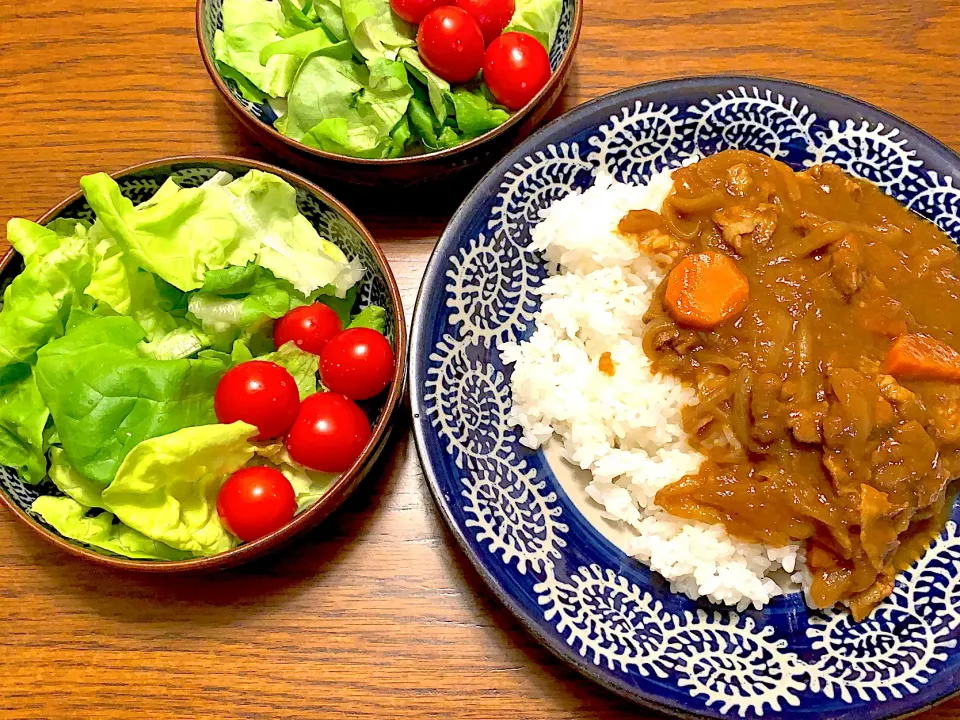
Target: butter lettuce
(190, 231)
(73, 484)
(540, 18)
(183, 342)
(353, 80)
(115, 335)
(117, 398)
(373, 317)
(308, 485)
(375, 31)
(330, 15)
(38, 301)
(167, 487)
(300, 46)
(248, 27)
(178, 237)
(359, 107)
(71, 519)
(301, 365)
(475, 113)
(23, 419)
(287, 244)
(437, 87)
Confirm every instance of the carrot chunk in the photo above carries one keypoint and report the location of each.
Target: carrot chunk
(606, 364)
(706, 290)
(921, 357)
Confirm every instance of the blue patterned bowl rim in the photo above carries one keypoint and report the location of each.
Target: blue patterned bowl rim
(378, 286)
(209, 19)
(810, 125)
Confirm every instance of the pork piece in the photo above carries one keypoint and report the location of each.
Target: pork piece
(658, 243)
(806, 424)
(846, 266)
(744, 227)
(739, 180)
(946, 418)
(832, 178)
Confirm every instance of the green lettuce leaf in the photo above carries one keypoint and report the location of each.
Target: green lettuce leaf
(437, 87)
(70, 519)
(331, 15)
(400, 138)
(117, 399)
(342, 306)
(240, 353)
(233, 280)
(191, 231)
(23, 419)
(308, 485)
(178, 237)
(38, 301)
(111, 279)
(295, 15)
(167, 487)
(118, 284)
(540, 18)
(384, 101)
(375, 30)
(184, 342)
(300, 46)
(322, 109)
(249, 91)
(287, 244)
(475, 114)
(423, 122)
(448, 138)
(373, 317)
(301, 365)
(34, 241)
(279, 74)
(225, 319)
(248, 27)
(71, 483)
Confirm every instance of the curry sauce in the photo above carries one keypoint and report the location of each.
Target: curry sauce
(816, 421)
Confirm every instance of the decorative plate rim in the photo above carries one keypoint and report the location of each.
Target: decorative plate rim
(432, 289)
(345, 485)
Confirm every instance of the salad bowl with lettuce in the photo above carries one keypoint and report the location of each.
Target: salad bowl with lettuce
(339, 87)
(123, 308)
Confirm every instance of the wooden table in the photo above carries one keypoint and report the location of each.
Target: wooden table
(375, 614)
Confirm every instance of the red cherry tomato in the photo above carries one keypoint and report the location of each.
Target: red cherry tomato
(310, 327)
(358, 363)
(516, 67)
(451, 44)
(491, 15)
(255, 502)
(413, 11)
(329, 434)
(260, 393)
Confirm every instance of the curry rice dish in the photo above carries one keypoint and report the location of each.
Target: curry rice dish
(812, 320)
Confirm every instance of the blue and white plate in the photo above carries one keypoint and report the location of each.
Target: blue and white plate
(518, 514)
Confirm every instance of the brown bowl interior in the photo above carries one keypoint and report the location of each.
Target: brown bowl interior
(344, 486)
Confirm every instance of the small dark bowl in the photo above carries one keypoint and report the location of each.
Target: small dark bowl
(336, 223)
(443, 165)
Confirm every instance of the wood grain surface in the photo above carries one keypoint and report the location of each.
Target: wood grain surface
(375, 614)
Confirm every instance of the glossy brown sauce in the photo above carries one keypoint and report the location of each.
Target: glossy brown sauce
(805, 438)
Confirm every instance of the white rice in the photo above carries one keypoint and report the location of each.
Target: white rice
(625, 429)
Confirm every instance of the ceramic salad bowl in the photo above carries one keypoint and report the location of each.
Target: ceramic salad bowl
(522, 518)
(258, 118)
(333, 221)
